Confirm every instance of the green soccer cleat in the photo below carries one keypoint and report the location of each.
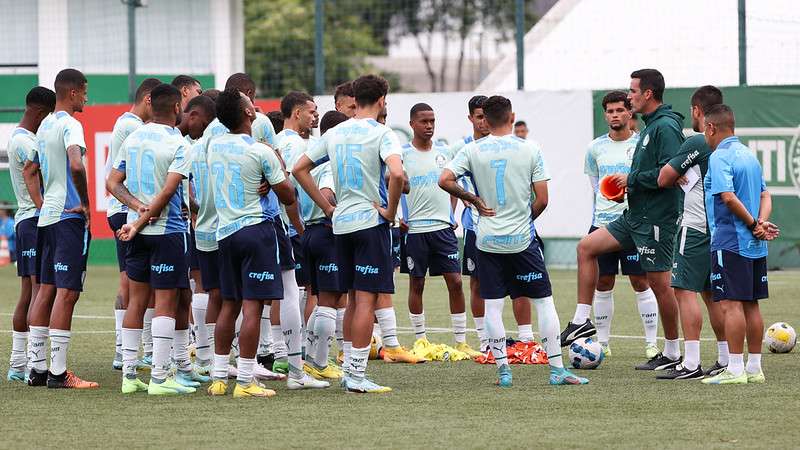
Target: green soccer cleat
(726, 377)
(504, 378)
(168, 387)
(651, 351)
(280, 367)
(132, 385)
(562, 376)
(756, 378)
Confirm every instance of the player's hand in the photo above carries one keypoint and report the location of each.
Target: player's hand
(127, 232)
(454, 226)
(329, 211)
(620, 179)
(384, 213)
(483, 210)
(766, 231)
(403, 226)
(84, 211)
(682, 181)
(263, 188)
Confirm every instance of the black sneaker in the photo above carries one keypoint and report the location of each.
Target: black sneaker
(716, 369)
(681, 373)
(574, 332)
(660, 362)
(36, 378)
(266, 361)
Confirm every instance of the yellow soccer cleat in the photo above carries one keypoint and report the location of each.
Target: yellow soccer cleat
(252, 390)
(340, 358)
(328, 373)
(374, 349)
(218, 387)
(401, 355)
(463, 347)
(756, 378)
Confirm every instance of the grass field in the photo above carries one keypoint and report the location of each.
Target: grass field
(433, 405)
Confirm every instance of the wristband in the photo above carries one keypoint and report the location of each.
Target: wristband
(752, 226)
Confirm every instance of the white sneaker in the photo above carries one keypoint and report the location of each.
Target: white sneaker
(306, 382)
(264, 374)
(233, 372)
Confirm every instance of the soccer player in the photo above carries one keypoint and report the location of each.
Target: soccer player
(360, 151)
(738, 206)
(691, 272)
(63, 234)
(647, 225)
(508, 171)
(609, 154)
(189, 88)
(117, 212)
(521, 129)
(39, 102)
(431, 243)
(345, 100)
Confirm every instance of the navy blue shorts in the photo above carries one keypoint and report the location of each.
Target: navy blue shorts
(115, 222)
(285, 253)
(610, 263)
(435, 252)
(63, 249)
(365, 260)
(26, 232)
(397, 243)
(470, 258)
(736, 277)
(319, 254)
(300, 269)
(191, 254)
(248, 261)
(209, 268)
(520, 274)
(159, 260)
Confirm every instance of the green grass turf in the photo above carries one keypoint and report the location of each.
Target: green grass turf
(433, 405)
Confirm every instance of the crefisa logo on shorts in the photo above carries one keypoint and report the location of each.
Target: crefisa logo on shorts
(161, 268)
(59, 267)
(29, 253)
(261, 276)
(329, 268)
(528, 277)
(716, 276)
(367, 270)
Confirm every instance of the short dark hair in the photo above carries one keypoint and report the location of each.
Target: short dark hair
(145, 88)
(496, 109)
(204, 104)
(369, 88)
(69, 79)
(229, 108)
(706, 96)
(211, 93)
(343, 90)
(520, 123)
(42, 97)
(476, 102)
(184, 80)
(330, 119)
(240, 81)
(276, 117)
(292, 100)
(419, 107)
(650, 79)
(163, 98)
(615, 97)
(721, 115)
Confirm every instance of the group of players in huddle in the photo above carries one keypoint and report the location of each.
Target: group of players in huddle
(269, 246)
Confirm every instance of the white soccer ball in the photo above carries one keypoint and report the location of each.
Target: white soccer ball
(585, 353)
(780, 337)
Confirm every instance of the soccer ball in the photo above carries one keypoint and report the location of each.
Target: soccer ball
(585, 353)
(780, 337)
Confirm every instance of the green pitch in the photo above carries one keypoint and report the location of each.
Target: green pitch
(433, 405)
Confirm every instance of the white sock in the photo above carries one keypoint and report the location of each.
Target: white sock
(19, 347)
(210, 328)
(237, 329)
(291, 323)
(722, 353)
(691, 358)
(324, 327)
(736, 363)
(753, 363)
(265, 332)
(672, 349)
(549, 329)
(130, 351)
(220, 370)
(525, 333)
(358, 362)
(603, 313)
(648, 310)
(347, 348)
(302, 298)
(163, 336)
(309, 340)
(180, 346)
(481, 329)
(387, 320)
(340, 328)
(59, 345)
(459, 322)
(418, 323)
(119, 314)
(147, 331)
(582, 312)
(202, 346)
(495, 329)
(245, 366)
(37, 353)
(278, 344)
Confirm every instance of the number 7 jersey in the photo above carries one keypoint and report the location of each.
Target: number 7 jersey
(503, 169)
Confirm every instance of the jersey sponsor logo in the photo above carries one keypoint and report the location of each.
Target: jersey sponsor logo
(367, 270)
(633, 257)
(453, 256)
(429, 178)
(261, 276)
(646, 250)
(161, 268)
(716, 276)
(688, 162)
(328, 268)
(29, 253)
(59, 267)
(410, 263)
(508, 240)
(355, 217)
(531, 276)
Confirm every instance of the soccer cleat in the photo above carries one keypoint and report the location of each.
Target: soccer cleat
(340, 358)
(562, 376)
(281, 367)
(504, 378)
(651, 351)
(328, 373)
(117, 364)
(36, 378)
(400, 355)
(606, 350)
(726, 377)
(15, 375)
(203, 369)
(266, 361)
(573, 332)
(261, 373)
(306, 382)
(191, 378)
(756, 378)
(252, 390)
(168, 387)
(374, 348)
(131, 385)
(716, 369)
(465, 348)
(681, 373)
(363, 386)
(659, 362)
(69, 380)
(146, 361)
(218, 387)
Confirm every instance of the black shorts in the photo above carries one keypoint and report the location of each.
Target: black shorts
(249, 267)
(610, 263)
(191, 254)
(209, 268)
(159, 260)
(396, 245)
(285, 254)
(26, 231)
(300, 269)
(115, 222)
(63, 249)
(365, 260)
(736, 277)
(435, 252)
(470, 257)
(517, 275)
(319, 253)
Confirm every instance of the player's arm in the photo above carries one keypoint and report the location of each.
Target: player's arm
(33, 182)
(293, 212)
(78, 173)
(448, 182)
(672, 174)
(396, 177)
(115, 185)
(194, 207)
(128, 231)
(302, 173)
(542, 198)
(765, 230)
(273, 170)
